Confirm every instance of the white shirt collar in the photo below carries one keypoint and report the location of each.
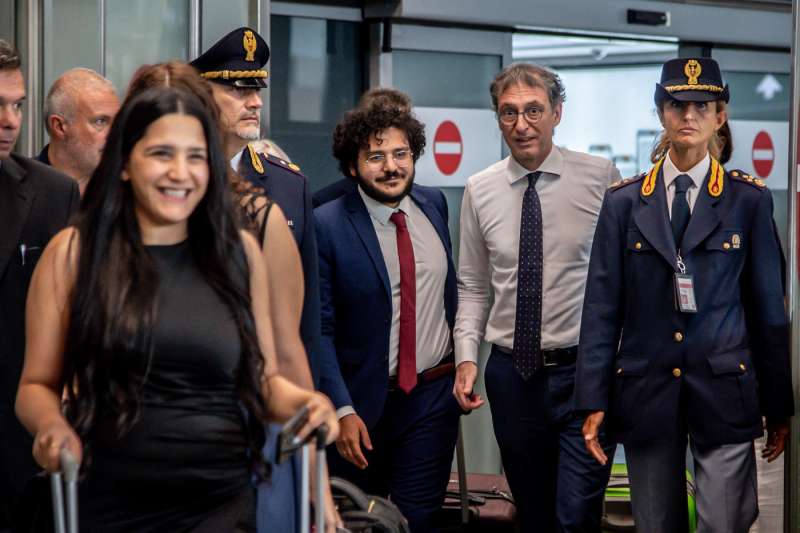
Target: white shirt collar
(697, 172)
(382, 212)
(235, 160)
(553, 164)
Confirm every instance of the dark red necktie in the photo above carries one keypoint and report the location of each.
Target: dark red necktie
(407, 352)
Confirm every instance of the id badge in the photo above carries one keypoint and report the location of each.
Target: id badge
(684, 293)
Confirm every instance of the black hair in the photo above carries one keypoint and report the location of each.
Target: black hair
(353, 132)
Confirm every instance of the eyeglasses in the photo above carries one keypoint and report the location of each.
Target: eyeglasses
(401, 158)
(509, 115)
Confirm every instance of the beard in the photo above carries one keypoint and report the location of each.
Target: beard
(85, 159)
(248, 134)
(377, 194)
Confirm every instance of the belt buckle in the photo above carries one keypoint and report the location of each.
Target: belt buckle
(546, 361)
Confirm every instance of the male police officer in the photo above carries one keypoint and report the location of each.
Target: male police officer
(235, 66)
(684, 331)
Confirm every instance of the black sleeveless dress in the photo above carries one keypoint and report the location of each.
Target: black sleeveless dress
(184, 465)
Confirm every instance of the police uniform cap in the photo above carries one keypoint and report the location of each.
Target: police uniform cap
(691, 79)
(237, 59)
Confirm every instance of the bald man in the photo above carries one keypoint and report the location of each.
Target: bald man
(78, 112)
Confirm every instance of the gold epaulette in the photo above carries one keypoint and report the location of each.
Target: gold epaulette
(277, 161)
(626, 181)
(741, 175)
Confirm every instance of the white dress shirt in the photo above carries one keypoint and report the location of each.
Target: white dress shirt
(697, 173)
(236, 160)
(430, 263)
(570, 190)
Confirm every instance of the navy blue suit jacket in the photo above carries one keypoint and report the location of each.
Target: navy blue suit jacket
(645, 363)
(287, 187)
(357, 300)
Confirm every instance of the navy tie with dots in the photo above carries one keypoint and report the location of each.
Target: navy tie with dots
(527, 350)
(680, 208)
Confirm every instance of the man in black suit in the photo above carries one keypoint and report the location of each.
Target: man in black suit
(35, 203)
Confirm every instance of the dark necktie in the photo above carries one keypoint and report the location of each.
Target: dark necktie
(528, 322)
(680, 208)
(407, 351)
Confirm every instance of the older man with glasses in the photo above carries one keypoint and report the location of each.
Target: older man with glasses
(388, 294)
(527, 224)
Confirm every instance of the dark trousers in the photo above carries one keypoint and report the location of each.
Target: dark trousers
(557, 485)
(412, 450)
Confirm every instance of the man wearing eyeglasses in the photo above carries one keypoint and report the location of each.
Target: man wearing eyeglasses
(527, 224)
(388, 295)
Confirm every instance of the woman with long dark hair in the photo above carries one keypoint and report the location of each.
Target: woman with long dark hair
(153, 309)
(281, 256)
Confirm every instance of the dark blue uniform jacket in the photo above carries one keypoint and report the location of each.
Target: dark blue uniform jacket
(645, 363)
(287, 187)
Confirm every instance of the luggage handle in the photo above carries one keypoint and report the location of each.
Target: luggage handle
(320, 435)
(461, 468)
(66, 478)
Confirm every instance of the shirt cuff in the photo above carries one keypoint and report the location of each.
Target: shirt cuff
(465, 350)
(344, 411)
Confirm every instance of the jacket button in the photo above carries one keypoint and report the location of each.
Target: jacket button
(638, 246)
(676, 372)
(619, 371)
(678, 336)
(726, 245)
(742, 367)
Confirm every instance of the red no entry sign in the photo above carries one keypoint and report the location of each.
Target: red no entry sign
(763, 154)
(447, 147)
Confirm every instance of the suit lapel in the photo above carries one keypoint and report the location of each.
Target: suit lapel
(651, 216)
(704, 217)
(16, 198)
(359, 217)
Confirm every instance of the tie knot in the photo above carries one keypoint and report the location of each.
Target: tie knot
(399, 219)
(682, 183)
(533, 177)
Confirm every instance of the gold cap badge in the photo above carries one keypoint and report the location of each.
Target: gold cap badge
(249, 42)
(692, 71)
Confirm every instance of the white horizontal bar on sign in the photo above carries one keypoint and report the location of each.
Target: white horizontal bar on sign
(447, 148)
(759, 155)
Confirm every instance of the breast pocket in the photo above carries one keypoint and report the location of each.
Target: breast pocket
(636, 243)
(724, 254)
(727, 241)
(27, 255)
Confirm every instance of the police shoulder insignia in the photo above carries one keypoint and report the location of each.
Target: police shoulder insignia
(742, 176)
(288, 165)
(625, 181)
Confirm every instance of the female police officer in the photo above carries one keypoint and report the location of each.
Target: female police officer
(684, 331)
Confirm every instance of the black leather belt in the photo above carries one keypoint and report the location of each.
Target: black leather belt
(554, 357)
(446, 367)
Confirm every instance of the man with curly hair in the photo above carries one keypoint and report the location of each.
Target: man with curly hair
(388, 294)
